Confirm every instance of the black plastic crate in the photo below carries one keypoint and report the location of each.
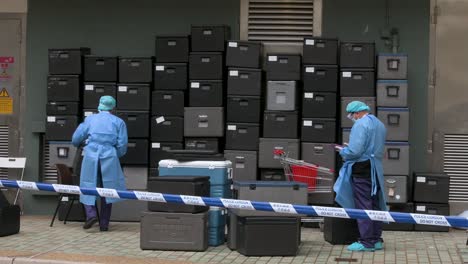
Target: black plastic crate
(170, 76)
(67, 61)
(243, 81)
(168, 103)
(135, 70)
(321, 130)
(133, 97)
(100, 69)
(137, 152)
(63, 88)
(244, 109)
(242, 136)
(357, 54)
(320, 78)
(319, 104)
(206, 66)
(62, 108)
(209, 37)
(93, 92)
(283, 67)
(243, 54)
(167, 129)
(320, 50)
(280, 124)
(172, 48)
(137, 123)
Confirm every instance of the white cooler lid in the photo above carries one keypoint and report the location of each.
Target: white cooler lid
(167, 163)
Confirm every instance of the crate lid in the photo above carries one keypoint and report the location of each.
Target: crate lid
(270, 184)
(178, 178)
(397, 143)
(392, 81)
(393, 109)
(205, 164)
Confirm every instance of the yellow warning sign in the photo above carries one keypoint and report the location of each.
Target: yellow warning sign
(6, 103)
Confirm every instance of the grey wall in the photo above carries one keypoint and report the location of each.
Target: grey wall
(108, 27)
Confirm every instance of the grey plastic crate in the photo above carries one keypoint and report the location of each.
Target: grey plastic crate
(174, 231)
(282, 95)
(396, 189)
(128, 210)
(396, 121)
(345, 122)
(396, 158)
(204, 121)
(136, 177)
(392, 93)
(322, 154)
(266, 158)
(392, 66)
(61, 152)
(244, 164)
(269, 191)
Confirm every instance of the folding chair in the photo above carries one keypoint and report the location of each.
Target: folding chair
(14, 163)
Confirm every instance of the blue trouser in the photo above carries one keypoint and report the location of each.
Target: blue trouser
(370, 231)
(104, 215)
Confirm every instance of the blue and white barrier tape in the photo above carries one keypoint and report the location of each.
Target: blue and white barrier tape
(424, 219)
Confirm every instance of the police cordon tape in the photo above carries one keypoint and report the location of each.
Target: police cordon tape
(424, 219)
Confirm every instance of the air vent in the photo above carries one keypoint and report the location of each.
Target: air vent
(48, 171)
(456, 166)
(4, 150)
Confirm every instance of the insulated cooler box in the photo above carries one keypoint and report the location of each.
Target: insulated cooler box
(128, 210)
(168, 103)
(340, 231)
(319, 104)
(174, 231)
(396, 158)
(159, 151)
(397, 122)
(202, 144)
(318, 130)
(392, 66)
(357, 54)
(135, 70)
(172, 48)
(182, 185)
(61, 153)
(209, 37)
(283, 67)
(357, 82)
(133, 97)
(396, 189)
(266, 158)
(216, 226)
(167, 129)
(320, 50)
(218, 171)
(93, 92)
(431, 187)
(433, 209)
(61, 128)
(137, 123)
(392, 93)
(401, 208)
(100, 69)
(136, 177)
(345, 122)
(64, 88)
(242, 136)
(320, 78)
(280, 124)
(206, 66)
(244, 164)
(63, 108)
(67, 61)
(246, 109)
(243, 54)
(282, 96)
(137, 152)
(204, 122)
(242, 81)
(209, 93)
(170, 76)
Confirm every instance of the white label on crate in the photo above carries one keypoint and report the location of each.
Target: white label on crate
(272, 58)
(159, 68)
(233, 44)
(27, 185)
(430, 219)
(123, 89)
(193, 200)
(232, 127)
(308, 123)
(160, 119)
(66, 188)
(379, 216)
(155, 145)
(104, 192)
(65, 199)
(310, 69)
(421, 179)
(51, 119)
(88, 113)
(421, 208)
(233, 73)
(62, 152)
(309, 95)
(148, 196)
(310, 42)
(237, 204)
(195, 85)
(283, 208)
(347, 74)
(331, 211)
(89, 87)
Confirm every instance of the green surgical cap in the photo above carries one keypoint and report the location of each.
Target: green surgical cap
(106, 103)
(357, 106)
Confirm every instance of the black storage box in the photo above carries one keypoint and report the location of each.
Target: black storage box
(319, 104)
(401, 208)
(77, 212)
(133, 97)
(100, 69)
(67, 61)
(62, 108)
(167, 129)
(340, 231)
(272, 175)
(320, 78)
(320, 51)
(242, 81)
(202, 144)
(9, 217)
(242, 136)
(137, 123)
(433, 209)
(357, 55)
(185, 185)
(357, 82)
(209, 37)
(283, 67)
(206, 93)
(172, 48)
(93, 92)
(170, 76)
(137, 152)
(280, 124)
(159, 151)
(135, 70)
(61, 128)
(206, 66)
(63, 88)
(431, 187)
(168, 103)
(243, 54)
(244, 109)
(259, 235)
(320, 130)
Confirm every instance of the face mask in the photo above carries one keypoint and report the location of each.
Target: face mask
(350, 117)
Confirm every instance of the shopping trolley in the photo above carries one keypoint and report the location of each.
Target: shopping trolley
(318, 179)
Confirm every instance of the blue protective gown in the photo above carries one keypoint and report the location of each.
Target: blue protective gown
(106, 137)
(366, 142)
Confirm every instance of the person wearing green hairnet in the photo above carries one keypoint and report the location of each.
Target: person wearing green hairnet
(360, 183)
(105, 136)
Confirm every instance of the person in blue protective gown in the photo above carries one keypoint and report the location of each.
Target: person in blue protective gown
(105, 136)
(360, 183)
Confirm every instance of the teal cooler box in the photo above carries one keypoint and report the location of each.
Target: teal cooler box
(216, 226)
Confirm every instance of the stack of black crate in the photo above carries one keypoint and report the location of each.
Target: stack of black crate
(244, 107)
(169, 97)
(281, 116)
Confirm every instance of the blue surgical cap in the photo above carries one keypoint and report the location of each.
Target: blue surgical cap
(106, 103)
(357, 106)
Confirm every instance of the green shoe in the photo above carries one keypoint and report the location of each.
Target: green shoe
(357, 246)
(378, 245)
